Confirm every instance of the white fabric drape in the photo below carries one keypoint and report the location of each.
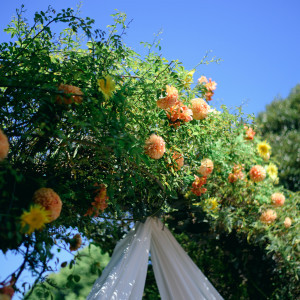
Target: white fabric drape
(177, 277)
(125, 275)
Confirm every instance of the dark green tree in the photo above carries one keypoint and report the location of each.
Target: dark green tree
(280, 125)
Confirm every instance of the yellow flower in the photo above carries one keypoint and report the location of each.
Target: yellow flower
(272, 171)
(212, 203)
(36, 218)
(188, 80)
(264, 149)
(106, 86)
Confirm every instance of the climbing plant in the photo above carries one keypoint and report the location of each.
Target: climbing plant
(95, 136)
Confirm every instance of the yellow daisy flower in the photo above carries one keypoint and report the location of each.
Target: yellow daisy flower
(264, 150)
(106, 86)
(212, 203)
(272, 171)
(36, 218)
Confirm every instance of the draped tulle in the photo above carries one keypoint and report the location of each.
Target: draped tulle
(177, 277)
(124, 276)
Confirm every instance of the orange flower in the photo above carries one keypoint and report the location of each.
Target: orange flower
(208, 95)
(179, 161)
(89, 212)
(155, 146)
(186, 114)
(100, 201)
(257, 173)
(200, 109)
(287, 222)
(202, 79)
(232, 177)
(69, 89)
(99, 204)
(237, 173)
(249, 133)
(179, 112)
(173, 113)
(277, 199)
(170, 100)
(268, 216)
(206, 167)
(75, 242)
(197, 188)
(238, 169)
(199, 191)
(100, 198)
(4, 145)
(211, 85)
(6, 292)
(48, 199)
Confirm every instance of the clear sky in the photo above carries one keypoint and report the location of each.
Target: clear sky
(257, 40)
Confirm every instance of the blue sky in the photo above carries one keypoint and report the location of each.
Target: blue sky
(258, 42)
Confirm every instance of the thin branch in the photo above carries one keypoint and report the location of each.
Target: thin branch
(156, 77)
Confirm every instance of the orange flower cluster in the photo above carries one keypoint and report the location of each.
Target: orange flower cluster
(69, 89)
(202, 79)
(7, 291)
(277, 199)
(237, 173)
(257, 173)
(197, 188)
(48, 199)
(268, 216)
(100, 201)
(4, 145)
(176, 110)
(209, 85)
(179, 161)
(200, 109)
(179, 112)
(155, 146)
(206, 167)
(170, 100)
(75, 242)
(250, 133)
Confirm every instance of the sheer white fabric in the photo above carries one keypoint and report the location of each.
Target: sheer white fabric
(177, 277)
(125, 275)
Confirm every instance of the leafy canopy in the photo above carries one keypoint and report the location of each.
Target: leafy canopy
(78, 108)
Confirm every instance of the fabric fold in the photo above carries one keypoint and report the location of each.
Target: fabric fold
(177, 276)
(125, 275)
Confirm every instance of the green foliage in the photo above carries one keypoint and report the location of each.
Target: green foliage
(280, 125)
(71, 141)
(73, 281)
